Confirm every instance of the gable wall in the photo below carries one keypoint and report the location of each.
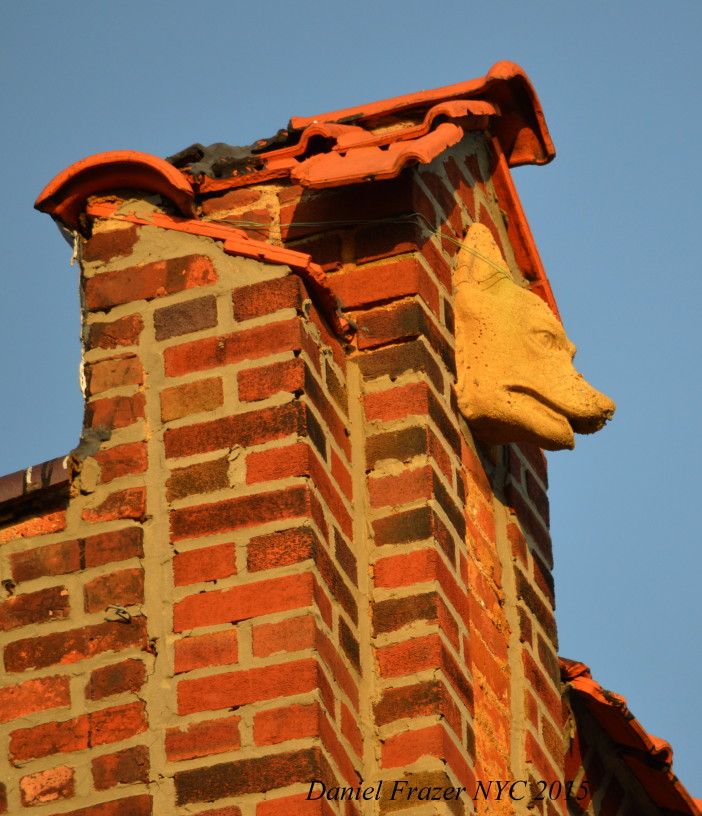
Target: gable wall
(324, 575)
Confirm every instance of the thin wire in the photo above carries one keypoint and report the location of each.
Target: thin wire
(260, 226)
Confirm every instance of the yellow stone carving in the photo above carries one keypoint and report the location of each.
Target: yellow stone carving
(516, 378)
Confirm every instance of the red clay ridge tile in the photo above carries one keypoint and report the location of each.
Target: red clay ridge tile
(649, 758)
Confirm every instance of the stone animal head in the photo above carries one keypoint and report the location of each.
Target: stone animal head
(516, 379)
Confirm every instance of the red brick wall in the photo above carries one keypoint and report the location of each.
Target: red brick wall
(318, 572)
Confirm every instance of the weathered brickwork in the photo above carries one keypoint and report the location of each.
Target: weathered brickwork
(280, 555)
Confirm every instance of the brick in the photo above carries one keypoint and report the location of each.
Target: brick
(461, 186)
(346, 558)
(245, 344)
(34, 695)
(118, 723)
(299, 804)
(336, 388)
(538, 497)
(204, 564)
(121, 768)
(127, 676)
(401, 445)
(191, 398)
(226, 811)
(400, 488)
(302, 211)
(417, 700)
(420, 653)
(495, 634)
(495, 672)
(293, 546)
(408, 525)
(74, 645)
(536, 606)
(256, 223)
(408, 746)
(298, 460)
(399, 321)
(376, 241)
(267, 297)
(538, 759)
(394, 613)
(106, 245)
(342, 677)
(34, 607)
(276, 725)
(231, 200)
(70, 556)
(148, 281)
(278, 463)
(244, 601)
(203, 651)
(115, 372)
(124, 504)
(239, 513)
(397, 402)
(329, 414)
(52, 559)
(546, 690)
(264, 381)
(544, 579)
(389, 280)
(122, 588)
(350, 729)
(518, 543)
(47, 786)
(409, 656)
(122, 460)
(349, 644)
(289, 635)
(115, 412)
(49, 738)
(530, 523)
(132, 806)
(97, 728)
(391, 361)
(536, 459)
(250, 428)
(118, 545)
(419, 567)
(202, 477)
(248, 686)
(52, 522)
(203, 739)
(251, 775)
(115, 333)
(183, 318)
(445, 198)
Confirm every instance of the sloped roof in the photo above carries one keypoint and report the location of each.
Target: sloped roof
(649, 758)
(377, 140)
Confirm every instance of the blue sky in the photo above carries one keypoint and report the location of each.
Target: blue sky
(616, 217)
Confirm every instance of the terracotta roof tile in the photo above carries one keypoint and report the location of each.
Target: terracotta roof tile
(376, 141)
(649, 758)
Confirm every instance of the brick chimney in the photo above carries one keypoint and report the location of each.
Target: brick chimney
(278, 554)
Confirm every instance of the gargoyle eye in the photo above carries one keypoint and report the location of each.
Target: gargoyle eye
(547, 339)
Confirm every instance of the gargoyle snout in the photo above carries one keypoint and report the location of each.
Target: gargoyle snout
(589, 409)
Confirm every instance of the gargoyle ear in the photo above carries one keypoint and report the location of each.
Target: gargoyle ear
(480, 262)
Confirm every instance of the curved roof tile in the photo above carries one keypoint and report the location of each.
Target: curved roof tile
(649, 758)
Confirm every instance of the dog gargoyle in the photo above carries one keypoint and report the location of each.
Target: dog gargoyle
(516, 378)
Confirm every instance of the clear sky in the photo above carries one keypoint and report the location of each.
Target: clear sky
(616, 217)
